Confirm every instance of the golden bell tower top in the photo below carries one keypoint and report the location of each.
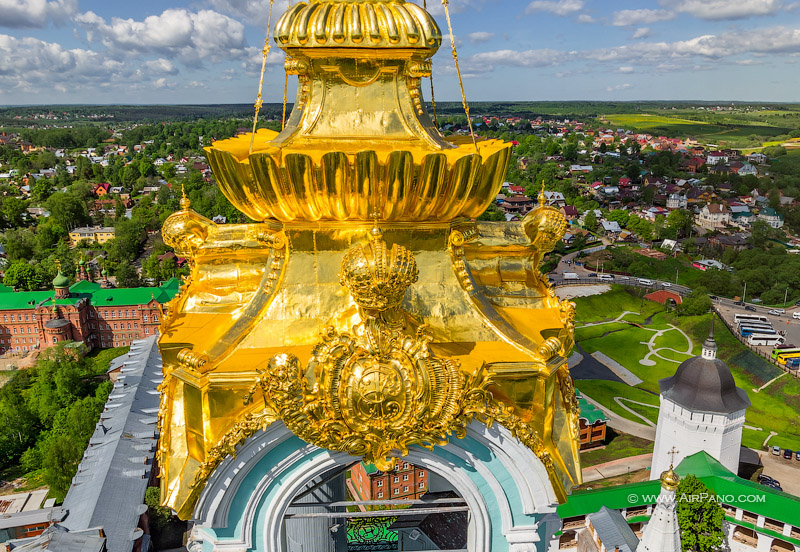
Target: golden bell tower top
(358, 24)
(359, 139)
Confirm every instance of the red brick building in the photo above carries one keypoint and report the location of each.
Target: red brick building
(86, 312)
(406, 481)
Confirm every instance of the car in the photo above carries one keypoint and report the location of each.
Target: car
(624, 277)
(593, 275)
(666, 284)
(774, 312)
(739, 303)
(763, 479)
(797, 455)
(788, 454)
(776, 450)
(775, 485)
(797, 303)
(749, 308)
(713, 297)
(606, 277)
(796, 315)
(645, 282)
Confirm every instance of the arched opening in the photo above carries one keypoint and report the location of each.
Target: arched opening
(779, 545)
(568, 539)
(338, 512)
(745, 536)
(498, 487)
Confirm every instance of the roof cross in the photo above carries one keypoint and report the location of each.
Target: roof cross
(672, 454)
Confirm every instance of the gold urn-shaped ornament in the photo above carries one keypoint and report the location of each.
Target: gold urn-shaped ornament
(359, 140)
(364, 309)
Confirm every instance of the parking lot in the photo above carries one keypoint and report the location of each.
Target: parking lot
(785, 322)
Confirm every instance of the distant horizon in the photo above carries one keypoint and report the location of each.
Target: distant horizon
(458, 101)
(203, 52)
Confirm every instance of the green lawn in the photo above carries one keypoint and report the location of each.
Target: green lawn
(608, 306)
(618, 445)
(604, 391)
(582, 333)
(773, 409)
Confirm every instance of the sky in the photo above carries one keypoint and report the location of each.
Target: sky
(209, 51)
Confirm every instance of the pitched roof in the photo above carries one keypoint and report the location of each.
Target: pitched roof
(613, 531)
(108, 490)
(118, 297)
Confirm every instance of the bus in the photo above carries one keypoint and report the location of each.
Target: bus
(755, 325)
(750, 318)
(793, 363)
(787, 356)
(745, 331)
(765, 339)
(783, 351)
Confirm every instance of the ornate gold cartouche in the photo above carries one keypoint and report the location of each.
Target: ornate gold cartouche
(363, 309)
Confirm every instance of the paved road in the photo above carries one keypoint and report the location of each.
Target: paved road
(785, 322)
(617, 467)
(625, 426)
(787, 472)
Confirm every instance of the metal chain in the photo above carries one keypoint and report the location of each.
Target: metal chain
(285, 85)
(265, 52)
(433, 96)
(446, 4)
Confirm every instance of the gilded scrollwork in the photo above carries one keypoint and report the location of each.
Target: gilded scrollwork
(376, 390)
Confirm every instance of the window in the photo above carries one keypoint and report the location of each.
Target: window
(129, 325)
(397, 490)
(155, 318)
(380, 494)
(397, 480)
(13, 318)
(15, 329)
(421, 473)
(380, 482)
(55, 340)
(147, 331)
(405, 489)
(115, 326)
(405, 465)
(27, 317)
(422, 485)
(405, 477)
(145, 318)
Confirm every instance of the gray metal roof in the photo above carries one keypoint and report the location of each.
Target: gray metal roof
(31, 517)
(613, 530)
(109, 488)
(705, 385)
(57, 539)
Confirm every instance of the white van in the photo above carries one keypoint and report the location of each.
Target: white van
(606, 277)
(645, 282)
(796, 315)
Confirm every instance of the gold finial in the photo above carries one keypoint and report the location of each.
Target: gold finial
(542, 197)
(670, 479)
(185, 203)
(375, 233)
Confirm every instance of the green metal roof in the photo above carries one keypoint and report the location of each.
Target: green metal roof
(60, 281)
(5, 289)
(119, 297)
(589, 412)
(731, 489)
(369, 468)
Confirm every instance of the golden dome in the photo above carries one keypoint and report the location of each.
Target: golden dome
(670, 479)
(358, 24)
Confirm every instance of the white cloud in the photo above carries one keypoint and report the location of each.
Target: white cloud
(255, 12)
(585, 18)
(557, 7)
(618, 87)
(191, 37)
(160, 66)
(35, 13)
(480, 36)
(625, 69)
(625, 18)
(641, 32)
(724, 9)
(486, 61)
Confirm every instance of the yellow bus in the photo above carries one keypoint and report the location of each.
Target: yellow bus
(782, 358)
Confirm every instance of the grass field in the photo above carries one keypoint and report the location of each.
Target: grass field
(740, 132)
(787, 164)
(609, 306)
(773, 409)
(618, 445)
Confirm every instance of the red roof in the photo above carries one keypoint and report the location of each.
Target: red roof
(662, 295)
(517, 189)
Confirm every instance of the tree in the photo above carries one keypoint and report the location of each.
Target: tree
(680, 221)
(700, 517)
(68, 209)
(760, 233)
(21, 275)
(126, 276)
(590, 221)
(60, 463)
(695, 303)
(158, 513)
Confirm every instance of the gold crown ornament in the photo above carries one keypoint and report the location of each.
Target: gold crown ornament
(376, 275)
(545, 225)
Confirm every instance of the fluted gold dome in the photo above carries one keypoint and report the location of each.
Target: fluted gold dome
(670, 479)
(358, 24)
